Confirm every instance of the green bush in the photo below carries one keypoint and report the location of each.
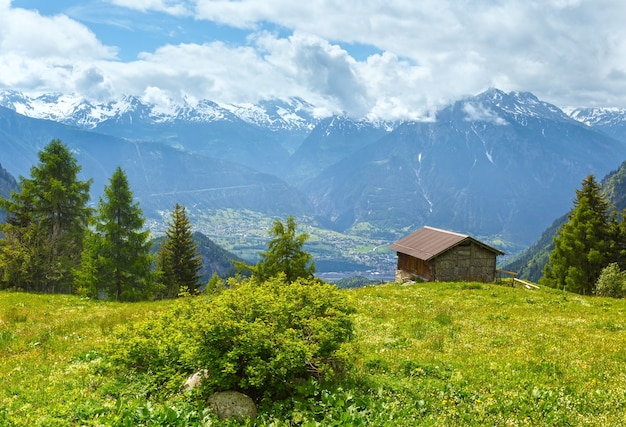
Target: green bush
(612, 282)
(262, 338)
(157, 348)
(266, 337)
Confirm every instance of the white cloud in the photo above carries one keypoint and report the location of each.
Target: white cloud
(46, 53)
(425, 54)
(306, 61)
(554, 48)
(34, 36)
(172, 7)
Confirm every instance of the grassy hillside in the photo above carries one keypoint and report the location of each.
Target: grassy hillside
(425, 354)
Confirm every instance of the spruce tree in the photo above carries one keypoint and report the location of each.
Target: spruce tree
(46, 221)
(178, 260)
(284, 254)
(583, 244)
(118, 252)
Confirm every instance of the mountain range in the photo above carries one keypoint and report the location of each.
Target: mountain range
(499, 166)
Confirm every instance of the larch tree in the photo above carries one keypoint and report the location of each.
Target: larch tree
(584, 244)
(285, 254)
(178, 260)
(46, 221)
(118, 251)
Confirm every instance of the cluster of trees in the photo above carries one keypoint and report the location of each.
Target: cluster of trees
(52, 241)
(590, 247)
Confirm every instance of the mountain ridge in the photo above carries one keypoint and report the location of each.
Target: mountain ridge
(499, 166)
(481, 167)
(292, 114)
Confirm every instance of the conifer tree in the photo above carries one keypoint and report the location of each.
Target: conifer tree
(118, 252)
(46, 221)
(178, 260)
(284, 254)
(583, 245)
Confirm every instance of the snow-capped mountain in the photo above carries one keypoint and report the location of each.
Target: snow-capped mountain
(293, 114)
(496, 105)
(599, 116)
(495, 164)
(611, 121)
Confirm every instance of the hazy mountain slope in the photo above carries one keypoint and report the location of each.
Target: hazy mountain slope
(493, 165)
(529, 263)
(332, 140)
(229, 138)
(215, 259)
(7, 184)
(259, 136)
(159, 175)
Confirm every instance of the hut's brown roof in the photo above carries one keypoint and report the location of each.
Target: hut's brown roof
(428, 242)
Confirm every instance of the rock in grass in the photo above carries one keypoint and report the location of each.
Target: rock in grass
(232, 404)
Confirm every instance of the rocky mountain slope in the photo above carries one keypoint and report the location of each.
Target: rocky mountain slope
(497, 165)
(160, 175)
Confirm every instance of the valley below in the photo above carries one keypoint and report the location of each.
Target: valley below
(337, 255)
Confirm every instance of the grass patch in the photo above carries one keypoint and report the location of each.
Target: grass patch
(424, 354)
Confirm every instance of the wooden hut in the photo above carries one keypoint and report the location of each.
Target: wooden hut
(436, 255)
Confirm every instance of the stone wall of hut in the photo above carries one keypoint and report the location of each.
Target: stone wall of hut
(467, 261)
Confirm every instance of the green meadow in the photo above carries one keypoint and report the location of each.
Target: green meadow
(437, 354)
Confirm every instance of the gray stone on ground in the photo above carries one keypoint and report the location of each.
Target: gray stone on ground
(232, 404)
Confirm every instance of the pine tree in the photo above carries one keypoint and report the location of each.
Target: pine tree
(46, 221)
(178, 260)
(284, 254)
(583, 245)
(618, 237)
(118, 252)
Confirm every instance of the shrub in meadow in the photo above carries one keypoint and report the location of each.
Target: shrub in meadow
(260, 337)
(612, 282)
(264, 338)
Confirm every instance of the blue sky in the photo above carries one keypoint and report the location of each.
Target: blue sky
(387, 59)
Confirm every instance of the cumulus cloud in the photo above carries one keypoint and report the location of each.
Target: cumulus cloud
(555, 48)
(92, 83)
(31, 35)
(43, 53)
(322, 68)
(422, 54)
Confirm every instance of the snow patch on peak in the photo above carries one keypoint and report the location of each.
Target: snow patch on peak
(477, 112)
(521, 105)
(607, 116)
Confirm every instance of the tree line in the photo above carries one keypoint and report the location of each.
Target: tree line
(589, 255)
(53, 242)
